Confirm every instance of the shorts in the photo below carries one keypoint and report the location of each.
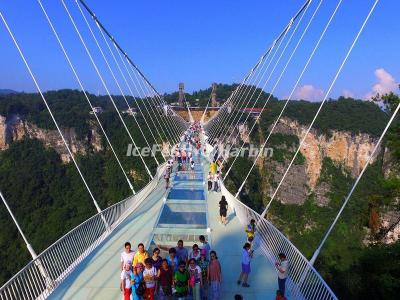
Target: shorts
(222, 212)
(246, 268)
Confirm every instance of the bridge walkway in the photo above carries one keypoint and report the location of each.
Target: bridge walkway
(97, 277)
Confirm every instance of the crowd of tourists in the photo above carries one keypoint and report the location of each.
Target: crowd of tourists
(196, 274)
(186, 275)
(181, 274)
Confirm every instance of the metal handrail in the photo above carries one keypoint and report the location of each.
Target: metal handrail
(40, 277)
(303, 282)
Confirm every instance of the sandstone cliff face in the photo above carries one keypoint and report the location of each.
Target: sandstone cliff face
(352, 151)
(17, 129)
(3, 128)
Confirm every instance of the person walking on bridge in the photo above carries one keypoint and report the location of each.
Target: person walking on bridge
(210, 179)
(215, 275)
(216, 182)
(282, 266)
(247, 254)
(223, 209)
(167, 176)
(213, 168)
(251, 230)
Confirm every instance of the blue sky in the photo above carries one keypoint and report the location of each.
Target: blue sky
(200, 42)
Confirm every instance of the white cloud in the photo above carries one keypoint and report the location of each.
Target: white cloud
(348, 94)
(309, 92)
(386, 83)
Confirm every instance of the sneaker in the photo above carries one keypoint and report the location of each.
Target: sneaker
(238, 282)
(245, 285)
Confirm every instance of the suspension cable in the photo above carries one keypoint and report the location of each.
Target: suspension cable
(306, 3)
(294, 87)
(276, 84)
(321, 105)
(132, 94)
(269, 77)
(205, 111)
(84, 92)
(142, 96)
(236, 100)
(128, 59)
(158, 107)
(114, 77)
(231, 101)
(130, 91)
(51, 113)
(28, 245)
(246, 91)
(104, 85)
(117, 45)
(318, 250)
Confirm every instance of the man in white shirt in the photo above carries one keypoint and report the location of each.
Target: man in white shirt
(282, 266)
(127, 255)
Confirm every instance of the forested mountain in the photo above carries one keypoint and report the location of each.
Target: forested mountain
(43, 188)
(7, 91)
(359, 260)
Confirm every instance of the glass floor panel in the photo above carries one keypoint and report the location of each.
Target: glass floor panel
(184, 184)
(189, 194)
(183, 215)
(189, 177)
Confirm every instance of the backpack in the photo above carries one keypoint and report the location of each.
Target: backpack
(141, 288)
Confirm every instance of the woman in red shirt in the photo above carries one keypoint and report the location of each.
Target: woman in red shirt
(214, 275)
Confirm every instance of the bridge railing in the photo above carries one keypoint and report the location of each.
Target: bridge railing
(303, 282)
(41, 276)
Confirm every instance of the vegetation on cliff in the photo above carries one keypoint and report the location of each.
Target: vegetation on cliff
(354, 261)
(46, 195)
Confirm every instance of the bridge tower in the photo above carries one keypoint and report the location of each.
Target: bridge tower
(214, 102)
(181, 93)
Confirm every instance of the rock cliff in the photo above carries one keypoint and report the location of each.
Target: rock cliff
(14, 129)
(345, 148)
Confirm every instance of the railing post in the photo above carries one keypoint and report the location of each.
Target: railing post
(36, 260)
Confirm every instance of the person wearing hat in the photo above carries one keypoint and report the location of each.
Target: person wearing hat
(137, 282)
(282, 266)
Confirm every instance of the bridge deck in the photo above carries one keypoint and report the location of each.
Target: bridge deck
(97, 277)
(228, 241)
